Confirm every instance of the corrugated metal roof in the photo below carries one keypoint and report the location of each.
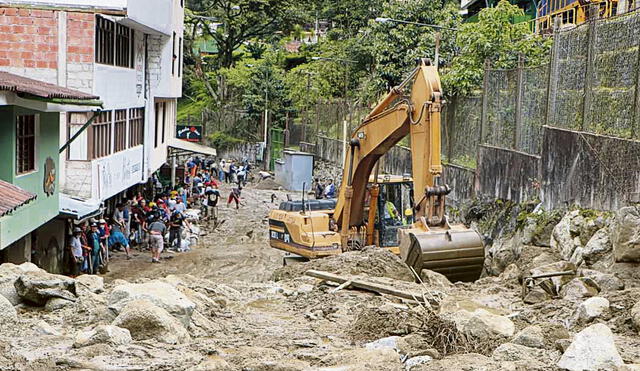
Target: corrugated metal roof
(19, 84)
(12, 197)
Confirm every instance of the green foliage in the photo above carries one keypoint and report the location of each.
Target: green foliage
(496, 39)
(223, 141)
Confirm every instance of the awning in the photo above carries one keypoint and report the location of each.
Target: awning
(38, 90)
(12, 197)
(77, 208)
(182, 147)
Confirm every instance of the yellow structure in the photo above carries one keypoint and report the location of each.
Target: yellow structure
(571, 12)
(314, 229)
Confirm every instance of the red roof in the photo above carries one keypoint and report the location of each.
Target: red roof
(19, 84)
(12, 197)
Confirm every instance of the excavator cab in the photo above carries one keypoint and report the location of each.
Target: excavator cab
(394, 209)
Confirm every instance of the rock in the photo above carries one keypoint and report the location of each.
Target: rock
(503, 252)
(414, 345)
(531, 336)
(629, 367)
(564, 237)
(516, 352)
(390, 342)
(276, 365)
(591, 309)
(362, 359)
(606, 281)
(464, 362)
(544, 258)
(434, 279)
(578, 288)
(43, 328)
(159, 293)
(592, 349)
(144, 320)
(625, 234)
(577, 257)
(511, 273)
(214, 363)
(598, 246)
(91, 282)
(37, 287)
(305, 288)
(635, 316)
(103, 334)
(54, 304)
(557, 281)
(536, 295)
(562, 344)
(8, 313)
(414, 362)
(485, 325)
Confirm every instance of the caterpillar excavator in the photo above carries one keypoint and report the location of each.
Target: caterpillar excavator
(366, 210)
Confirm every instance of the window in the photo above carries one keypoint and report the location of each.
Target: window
(136, 126)
(124, 43)
(180, 57)
(101, 135)
(25, 144)
(159, 123)
(104, 41)
(173, 55)
(120, 130)
(114, 43)
(182, 3)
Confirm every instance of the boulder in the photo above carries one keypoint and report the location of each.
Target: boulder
(503, 252)
(390, 342)
(597, 247)
(54, 304)
(565, 236)
(414, 345)
(635, 316)
(435, 279)
(531, 336)
(591, 309)
(606, 281)
(625, 234)
(8, 313)
(362, 359)
(9, 273)
(144, 320)
(37, 287)
(592, 349)
(90, 282)
(103, 334)
(483, 324)
(511, 273)
(516, 352)
(43, 328)
(580, 287)
(413, 363)
(159, 293)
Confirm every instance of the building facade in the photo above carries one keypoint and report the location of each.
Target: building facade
(126, 52)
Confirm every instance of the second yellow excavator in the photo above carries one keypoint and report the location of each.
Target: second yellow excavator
(366, 210)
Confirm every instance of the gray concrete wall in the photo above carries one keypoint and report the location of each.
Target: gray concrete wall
(507, 174)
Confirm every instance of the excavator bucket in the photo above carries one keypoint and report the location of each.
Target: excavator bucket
(456, 252)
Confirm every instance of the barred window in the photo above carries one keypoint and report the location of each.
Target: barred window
(180, 57)
(173, 54)
(104, 41)
(25, 144)
(101, 135)
(123, 46)
(136, 126)
(114, 43)
(120, 129)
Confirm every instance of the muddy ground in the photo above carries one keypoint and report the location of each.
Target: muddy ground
(250, 314)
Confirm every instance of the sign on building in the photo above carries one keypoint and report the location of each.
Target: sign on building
(191, 133)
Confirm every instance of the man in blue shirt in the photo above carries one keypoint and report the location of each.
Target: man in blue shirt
(93, 237)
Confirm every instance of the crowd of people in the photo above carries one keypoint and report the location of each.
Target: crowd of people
(147, 222)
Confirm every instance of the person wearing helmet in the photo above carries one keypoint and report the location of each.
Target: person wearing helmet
(175, 229)
(75, 245)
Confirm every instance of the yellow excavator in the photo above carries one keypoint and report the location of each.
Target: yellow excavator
(403, 214)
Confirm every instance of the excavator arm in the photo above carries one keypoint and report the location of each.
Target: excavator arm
(415, 112)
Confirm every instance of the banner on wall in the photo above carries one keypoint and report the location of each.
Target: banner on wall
(191, 133)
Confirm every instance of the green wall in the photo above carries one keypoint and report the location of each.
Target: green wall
(44, 208)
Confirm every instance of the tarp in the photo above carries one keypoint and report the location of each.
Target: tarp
(190, 147)
(78, 208)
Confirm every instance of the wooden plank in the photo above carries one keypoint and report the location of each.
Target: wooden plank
(342, 286)
(369, 286)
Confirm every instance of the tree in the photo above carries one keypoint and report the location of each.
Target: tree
(240, 21)
(496, 39)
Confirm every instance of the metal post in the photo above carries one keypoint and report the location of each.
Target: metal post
(485, 102)
(552, 83)
(173, 170)
(437, 54)
(519, 94)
